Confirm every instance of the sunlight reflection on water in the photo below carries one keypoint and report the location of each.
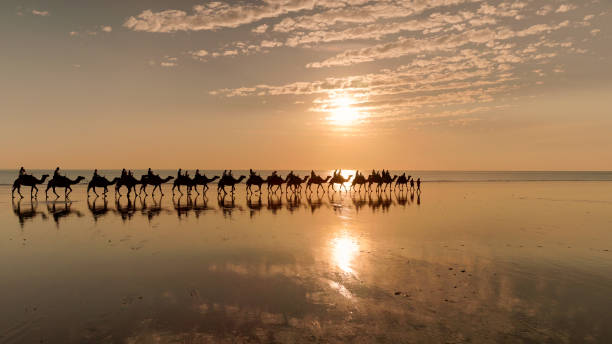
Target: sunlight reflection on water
(345, 249)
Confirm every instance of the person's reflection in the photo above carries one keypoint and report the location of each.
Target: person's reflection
(182, 207)
(126, 210)
(60, 209)
(294, 201)
(254, 205)
(27, 213)
(275, 203)
(419, 198)
(314, 203)
(96, 210)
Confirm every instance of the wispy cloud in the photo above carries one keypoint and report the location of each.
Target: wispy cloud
(40, 13)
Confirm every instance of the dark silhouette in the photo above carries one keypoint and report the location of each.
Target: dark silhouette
(339, 179)
(182, 180)
(27, 180)
(128, 180)
(402, 181)
(254, 179)
(59, 181)
(98, 181)
(294, 183)
(228, 180)
(155, 180)
(359, 180)
(201, 179)
(63, 211)
(275, 180)
(317, 180)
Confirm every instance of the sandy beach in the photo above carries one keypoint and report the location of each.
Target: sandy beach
(463, 262)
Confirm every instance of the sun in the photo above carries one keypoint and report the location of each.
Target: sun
(342, 112)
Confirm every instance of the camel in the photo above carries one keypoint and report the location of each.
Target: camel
(228, 180)
(62, 182)
(155, 181)
(339, 179)
(295, 183)
(318, 181)
(129, 182)
(27, 180)
(100, 182)
(402, 181)
(275, 180)
(359, 180)
(388, 181)
(374, 178)
(254, 180)
(204, 181)
(183, 181)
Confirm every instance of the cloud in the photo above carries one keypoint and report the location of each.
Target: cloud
(40, 13)
(411, 46)
(261, 28)
(565, 8)
(168, 64)
(73, 33)
(107, 28)
(214, 15)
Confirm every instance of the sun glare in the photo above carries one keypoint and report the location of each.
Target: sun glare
(342, 112)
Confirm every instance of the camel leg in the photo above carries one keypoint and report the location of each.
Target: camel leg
(55, 192)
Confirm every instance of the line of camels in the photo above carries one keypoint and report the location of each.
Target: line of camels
(377, 181)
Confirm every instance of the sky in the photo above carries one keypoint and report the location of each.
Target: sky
(301, 84)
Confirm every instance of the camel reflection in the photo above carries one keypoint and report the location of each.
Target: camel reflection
(95, 209)
(200, 206)
(126, 207)
(275, 203)
(27, 213)
(61, 209)
(294, 202)
(381, 201)
(152, 209)
(182, 205)
(254, 206)
(359, 201)
(314, 203)
(227, 203)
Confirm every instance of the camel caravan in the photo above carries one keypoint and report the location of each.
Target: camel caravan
(376, 181)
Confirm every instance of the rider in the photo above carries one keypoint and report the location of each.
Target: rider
(95, 174)
(274, 174)
(252, 173)
(197, 174)
(22, 171)
(312, 174)
(150, 173)
(56, 173)
(229, 174)
(123, 173)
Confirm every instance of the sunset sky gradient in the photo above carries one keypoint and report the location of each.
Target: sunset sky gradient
(300, 84)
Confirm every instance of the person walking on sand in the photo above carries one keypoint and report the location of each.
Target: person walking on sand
(419, 184)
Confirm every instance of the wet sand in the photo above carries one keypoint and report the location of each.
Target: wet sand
(464, 262)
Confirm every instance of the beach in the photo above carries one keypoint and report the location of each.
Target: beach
(472, 261)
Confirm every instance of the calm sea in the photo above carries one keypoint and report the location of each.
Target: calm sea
(8, 176)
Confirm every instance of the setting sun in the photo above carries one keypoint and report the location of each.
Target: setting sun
(342, 112)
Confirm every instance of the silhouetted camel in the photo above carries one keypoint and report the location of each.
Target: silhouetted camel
(100, 182)
(388, 181)
(358, 180)
(155, 181)
(228, 180)
(318, 181)
(254, 180)
(295, 183)
(402, 181)
(183, 180)
(204, 181)
(27, 180)
(129, 182)
(275, 180)
(339, 179)
(62, 182)
(374, 178)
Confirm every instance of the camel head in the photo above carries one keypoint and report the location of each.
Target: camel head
(349, 178)
(115, 180)
(240, 179)
(326, 179)
(214, 178)
(394, 178)
(78, 180)
(168, 178)
(44, 177)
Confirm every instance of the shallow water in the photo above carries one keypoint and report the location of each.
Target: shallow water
(462, 262)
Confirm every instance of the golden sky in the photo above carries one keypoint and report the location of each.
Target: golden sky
(282, 84)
